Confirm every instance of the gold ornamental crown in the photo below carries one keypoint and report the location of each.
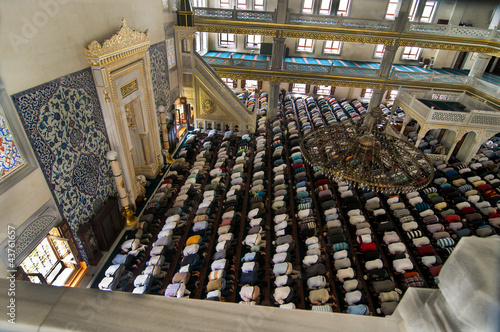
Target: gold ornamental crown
(125, 42)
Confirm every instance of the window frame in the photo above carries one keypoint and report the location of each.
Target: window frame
(226, 80)
(367, 93)
(247, 44)
(300, 90)
(305, 45)
(224, 3)
(346, 11)
(389, 96)
(339, 48)
(319, 90)
(42, 256)
(9, 113)
(255, 6)
(251, 87)
(412, 14)
(379, 54)
(429, 19)
(197, 37)
(304, 10)
(392, 16)
(244, 6)
(406, 55)
(325, 11)
(227, 45)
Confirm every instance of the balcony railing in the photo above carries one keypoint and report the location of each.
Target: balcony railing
(235, 14)
(230, 62)
(453, 31)
(331, 69)
(340, 21)
(433, 157)
(349, 23)
(483, 116)
(430, 77)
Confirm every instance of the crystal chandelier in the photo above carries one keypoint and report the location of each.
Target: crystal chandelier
(366, 156)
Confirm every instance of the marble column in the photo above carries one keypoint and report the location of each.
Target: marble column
(163, 123)
(274, 95)
(131, 219)
(276, 64)
(387, 61)
(393, 112)
(479, 66)
(421, 135)
(278, 53)
(405, 122)
(145, 146)
(281, 11)
(112, 156)
(376, 98)
(384, 72)
(455, 142)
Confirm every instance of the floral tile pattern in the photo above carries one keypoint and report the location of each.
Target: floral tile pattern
(65, 127)
(159, 74)
(10, 157)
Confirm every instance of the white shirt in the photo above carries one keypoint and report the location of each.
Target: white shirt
(350, 284)
(281, 280)
(311, 240)
(219, 264)
(279, 257)
(225, 237)
(246, 293)
(316, 282)
(340, 254)
(247, 267)
(353, 297)
(191, 249)
(343, 274)
(220, 246)
(374, 264)
(281, 293)
(310, 260)
(253, 239)
(282, 248)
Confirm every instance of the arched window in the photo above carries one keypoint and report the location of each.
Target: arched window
(10, 156)
(16, 158)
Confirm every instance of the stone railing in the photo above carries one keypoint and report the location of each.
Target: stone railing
(453, 31)
(235, 14)
(340, 21)
(348, 23)
(331, 69)
(435, 156)
(230, 62)
(489, 119)
(430, 77)
(485, 87)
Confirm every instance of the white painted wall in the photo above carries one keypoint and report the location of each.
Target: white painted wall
(40, 43)
(469, 61)
(448, 138)
(44, 40)
(444, 59)
(479, 12)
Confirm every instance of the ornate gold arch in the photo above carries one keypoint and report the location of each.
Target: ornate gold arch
(125, 42)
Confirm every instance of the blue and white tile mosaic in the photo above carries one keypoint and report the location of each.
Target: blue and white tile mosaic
(159, 74)
(65, 127)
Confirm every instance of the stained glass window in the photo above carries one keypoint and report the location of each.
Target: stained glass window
(10, 156)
